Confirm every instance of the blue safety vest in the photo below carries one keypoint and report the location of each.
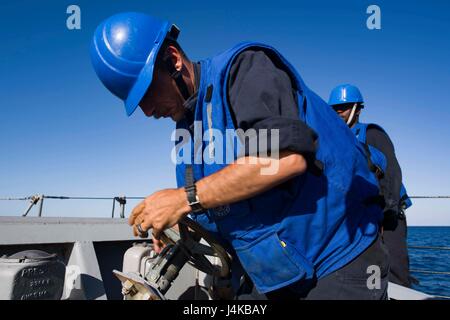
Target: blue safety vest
(307, 228)
(360, 130)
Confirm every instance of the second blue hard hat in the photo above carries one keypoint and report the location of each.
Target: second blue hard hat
(124, 51)
(345, 93)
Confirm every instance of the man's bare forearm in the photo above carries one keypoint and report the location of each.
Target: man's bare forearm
(243, 179)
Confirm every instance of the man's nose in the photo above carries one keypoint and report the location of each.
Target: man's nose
(148, 110)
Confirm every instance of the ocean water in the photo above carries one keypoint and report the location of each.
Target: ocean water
(430, 260)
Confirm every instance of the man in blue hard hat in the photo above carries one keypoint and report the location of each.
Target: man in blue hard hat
(348, 102)
(299, 232)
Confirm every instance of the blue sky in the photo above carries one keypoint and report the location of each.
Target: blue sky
(62, 133)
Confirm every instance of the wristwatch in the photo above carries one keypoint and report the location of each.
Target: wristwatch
(192, 197)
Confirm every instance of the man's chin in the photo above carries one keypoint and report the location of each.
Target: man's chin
(177, 116)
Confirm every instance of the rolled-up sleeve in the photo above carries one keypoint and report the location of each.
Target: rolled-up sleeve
(261, 96)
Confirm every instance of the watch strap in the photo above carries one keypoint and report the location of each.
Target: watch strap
(191, 190)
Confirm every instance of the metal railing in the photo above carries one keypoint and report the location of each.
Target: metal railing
(445, 273)
(121, 200)
(431, 272)
(39, 199)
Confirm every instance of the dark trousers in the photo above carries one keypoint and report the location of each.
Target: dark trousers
(396, 244)
(348, 283)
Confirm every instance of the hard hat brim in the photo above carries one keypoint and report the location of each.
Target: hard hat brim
(145, 77)
(336, 103)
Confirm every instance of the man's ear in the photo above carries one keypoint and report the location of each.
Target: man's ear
(175, 55)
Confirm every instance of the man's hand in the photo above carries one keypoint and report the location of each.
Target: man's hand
(159, 211)
(235, 182)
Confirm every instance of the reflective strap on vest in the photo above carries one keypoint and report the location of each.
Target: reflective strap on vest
(379, 199)
(379, 173)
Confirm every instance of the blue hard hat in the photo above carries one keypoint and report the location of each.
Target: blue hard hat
(345, 93)
(123, 53)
